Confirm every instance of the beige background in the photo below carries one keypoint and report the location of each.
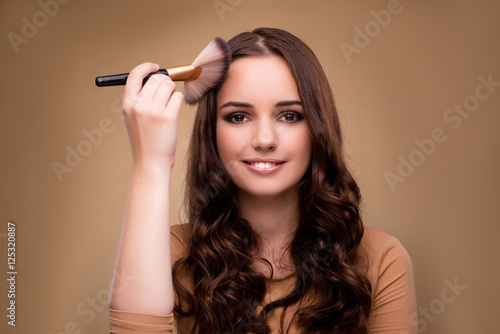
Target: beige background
(394, 91)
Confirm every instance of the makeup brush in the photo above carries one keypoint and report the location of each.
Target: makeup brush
(205, 73)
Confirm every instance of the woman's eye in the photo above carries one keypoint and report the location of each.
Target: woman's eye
(291, 117)
(236, 118)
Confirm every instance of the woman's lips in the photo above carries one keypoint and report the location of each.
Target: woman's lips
(264, 166)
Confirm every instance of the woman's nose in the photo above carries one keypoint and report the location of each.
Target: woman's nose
(265, 138)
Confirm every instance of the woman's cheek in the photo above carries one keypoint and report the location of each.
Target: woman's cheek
(229, 146)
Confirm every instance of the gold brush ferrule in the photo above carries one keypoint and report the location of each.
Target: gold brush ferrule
(184, 73)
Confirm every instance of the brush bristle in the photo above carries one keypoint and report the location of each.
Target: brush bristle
(214, 61)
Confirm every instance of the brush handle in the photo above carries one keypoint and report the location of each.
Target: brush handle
(121, 79)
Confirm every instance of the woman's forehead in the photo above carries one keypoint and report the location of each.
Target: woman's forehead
(258, 78)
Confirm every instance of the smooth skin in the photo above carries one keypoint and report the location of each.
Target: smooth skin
(261, 118)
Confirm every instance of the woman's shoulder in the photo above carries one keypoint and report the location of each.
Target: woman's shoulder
(375, 240)
(390, 272)
(179, 231)
(179, 236)
(386, 258)
(382, 248)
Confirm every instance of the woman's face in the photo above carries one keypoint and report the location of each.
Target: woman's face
(262, 135)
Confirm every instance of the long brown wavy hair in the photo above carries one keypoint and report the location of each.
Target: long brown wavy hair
(225, 290)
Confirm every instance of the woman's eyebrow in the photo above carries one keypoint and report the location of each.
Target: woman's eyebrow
(248, 105)
(288, 103)
(236, 104)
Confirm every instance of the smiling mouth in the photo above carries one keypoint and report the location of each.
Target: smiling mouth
(263, 164)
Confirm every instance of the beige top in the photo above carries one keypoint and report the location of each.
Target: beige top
(389, 271)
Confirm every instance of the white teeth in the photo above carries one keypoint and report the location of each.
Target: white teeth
(263, 165)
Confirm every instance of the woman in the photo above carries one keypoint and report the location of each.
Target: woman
(274, 241)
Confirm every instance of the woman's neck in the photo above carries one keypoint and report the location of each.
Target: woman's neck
(275, 220)
(271, 217)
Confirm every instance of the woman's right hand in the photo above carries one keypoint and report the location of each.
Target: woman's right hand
(151, 116)
(144, 252)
